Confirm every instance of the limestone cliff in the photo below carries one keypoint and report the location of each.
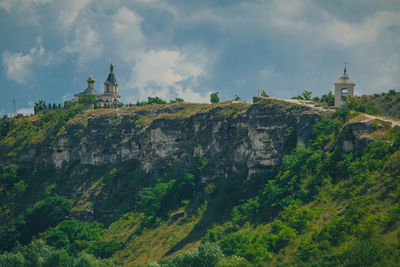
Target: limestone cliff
(230, 135)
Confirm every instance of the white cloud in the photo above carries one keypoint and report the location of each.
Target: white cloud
(159, 73)
(86, 44)
(190, 96)
(24, 9)
(127, 34)
(369, 30)
(70, 10)
(19, 66)
(160, 4)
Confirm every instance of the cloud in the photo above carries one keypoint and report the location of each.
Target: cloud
(190, 96)
(70, 10)
(25, 9)
(86, 44)
(159, 72)
(127, 35)
(19, 66)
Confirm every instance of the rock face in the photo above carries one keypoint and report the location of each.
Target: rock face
(229, 135)
(358, 134)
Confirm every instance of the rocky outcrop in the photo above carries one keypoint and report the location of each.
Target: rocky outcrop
(229, 135)
(362, 130)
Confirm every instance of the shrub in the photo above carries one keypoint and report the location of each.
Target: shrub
(234, 261)
(307, 250)
(86, 260)
(247, 244)
(297, 218)
(208, 254)
(12, 260)
(392, 92)
(57, 258)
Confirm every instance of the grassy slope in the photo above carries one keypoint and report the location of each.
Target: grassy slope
(387, 104)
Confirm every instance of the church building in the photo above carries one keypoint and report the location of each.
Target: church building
(343, 87)
(110, 95)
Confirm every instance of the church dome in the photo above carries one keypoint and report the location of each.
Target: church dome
(91, 79)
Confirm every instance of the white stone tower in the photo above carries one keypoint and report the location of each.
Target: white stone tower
(343, 87)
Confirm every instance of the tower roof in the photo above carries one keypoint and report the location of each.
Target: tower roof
(344, 79)
(111, 77)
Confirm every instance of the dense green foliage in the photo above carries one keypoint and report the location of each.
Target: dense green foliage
(51, 211)
(38, 254)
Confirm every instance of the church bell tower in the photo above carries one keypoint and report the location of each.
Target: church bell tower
(344, 87)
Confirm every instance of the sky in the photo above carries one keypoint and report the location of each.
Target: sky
(190, 48)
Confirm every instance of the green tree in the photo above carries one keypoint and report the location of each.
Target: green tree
(306, 95)
(51, 211)
(328, 98)
(214, 98)
(39, 106)
(87, 99)
(155, 100)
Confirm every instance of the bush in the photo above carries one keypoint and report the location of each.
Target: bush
(247, 244)
(12, 260)
(392, 92)
(86, 260)
(234, 261)
(208, 254)
(307, 250)
(75, 236)
(297, 218)
(57, 258)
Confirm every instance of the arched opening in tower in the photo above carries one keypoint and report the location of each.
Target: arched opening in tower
(344, 94)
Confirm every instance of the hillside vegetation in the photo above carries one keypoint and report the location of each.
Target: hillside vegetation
(386, 104)
(324, 205)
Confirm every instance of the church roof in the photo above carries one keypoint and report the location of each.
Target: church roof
(88, 93)
(111, 78)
